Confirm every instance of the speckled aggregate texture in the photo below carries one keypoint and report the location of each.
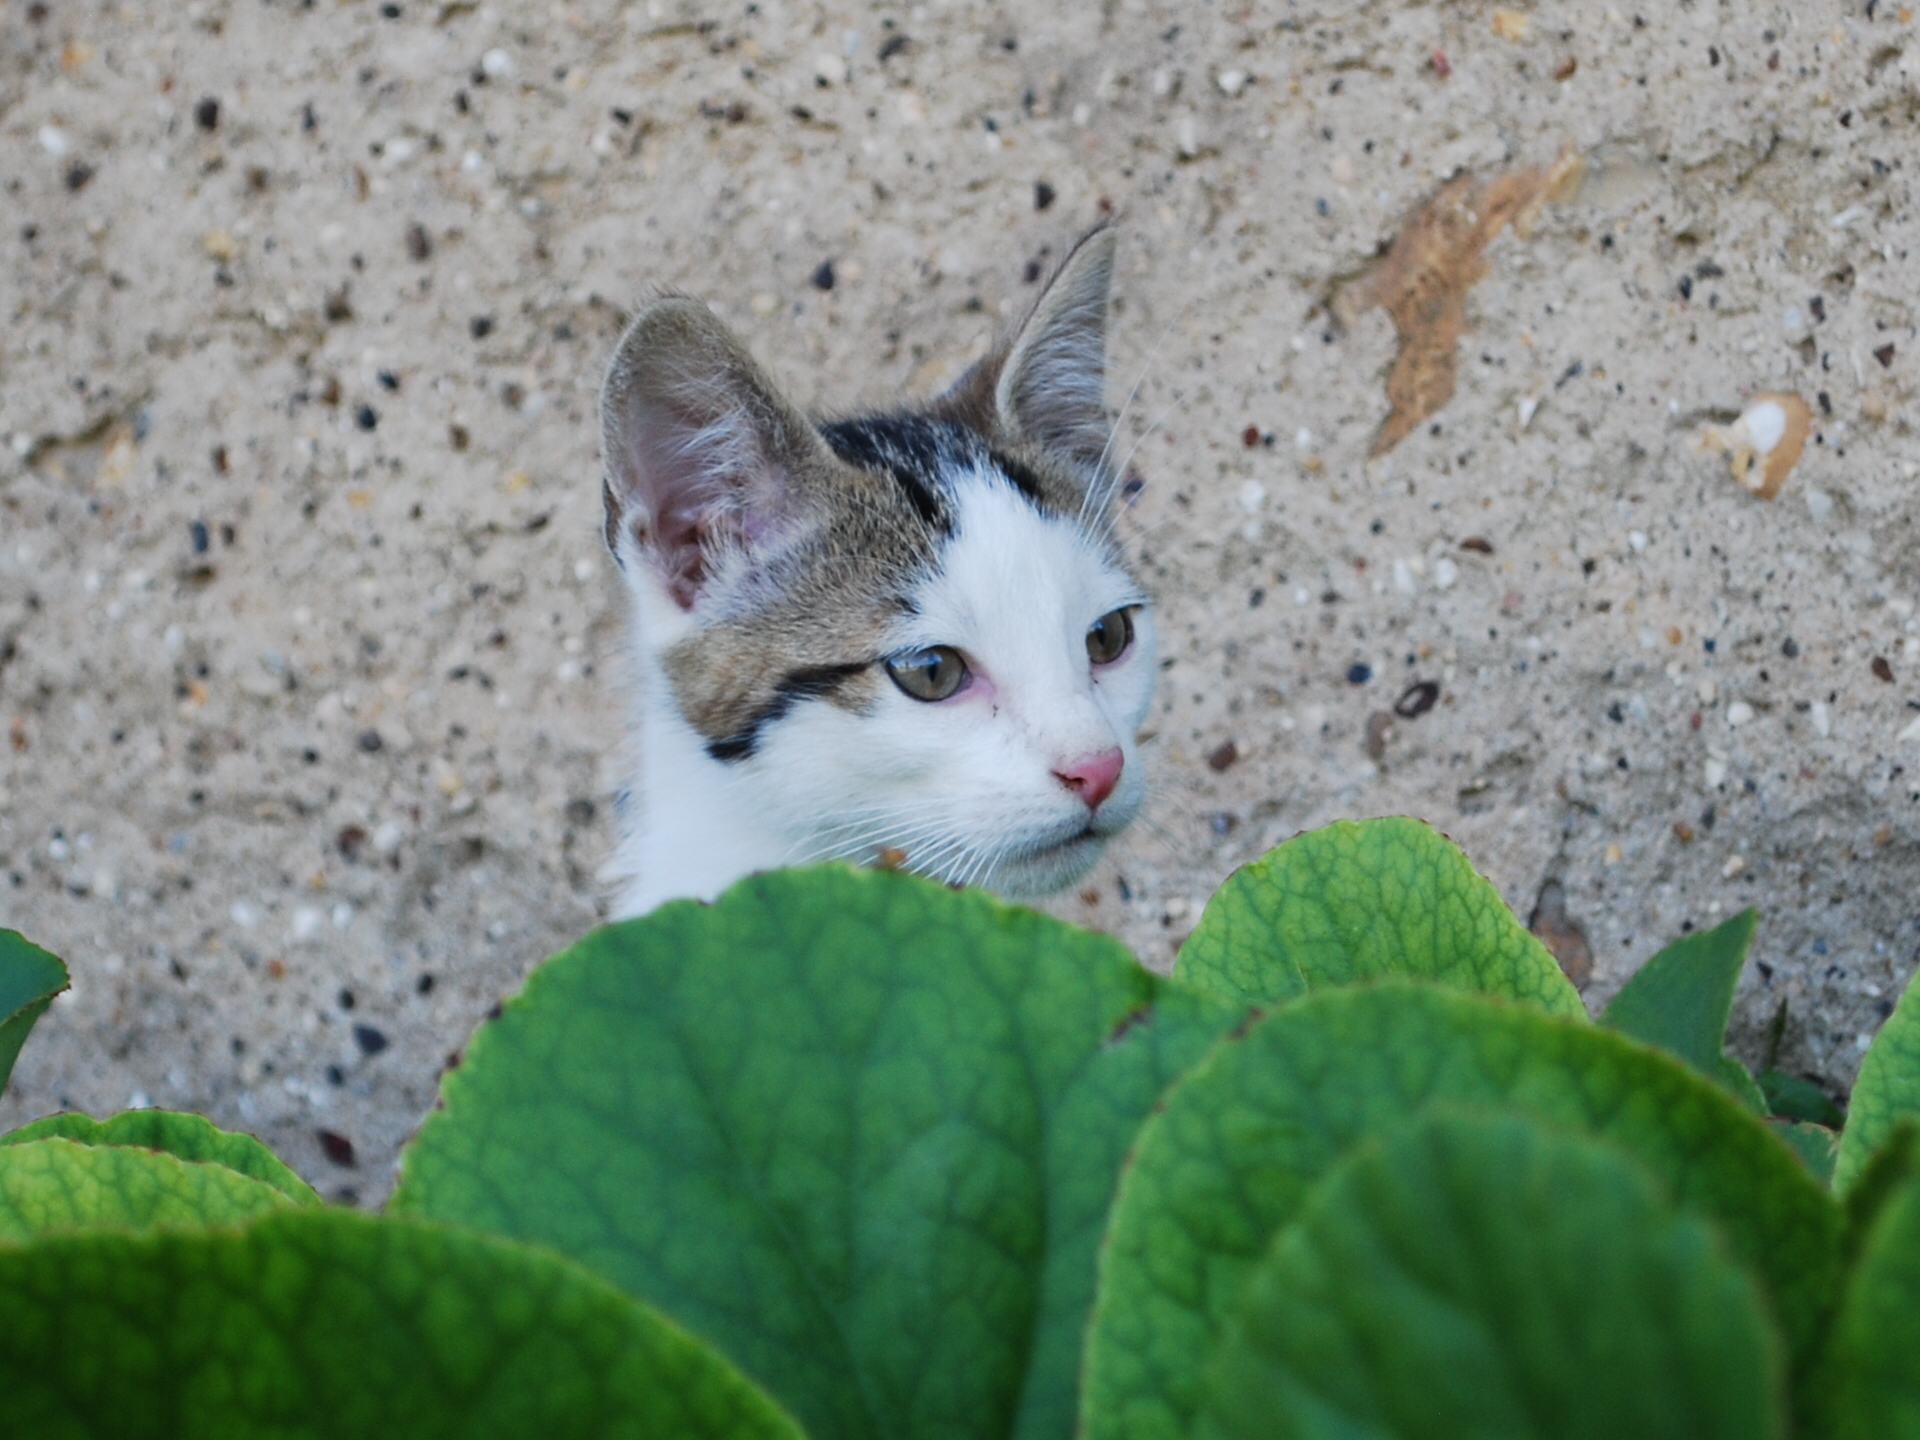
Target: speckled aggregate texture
(310, 660)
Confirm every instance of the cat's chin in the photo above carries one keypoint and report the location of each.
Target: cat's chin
(1048, 868)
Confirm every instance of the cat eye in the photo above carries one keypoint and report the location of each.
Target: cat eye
(935, 673)
(1109, 637)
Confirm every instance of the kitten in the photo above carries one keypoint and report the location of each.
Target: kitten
(906, 638)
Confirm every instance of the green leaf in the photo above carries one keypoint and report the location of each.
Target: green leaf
(1876, 1342)
(321, 1322)
(858, 1130)
(1361, 900)
(1816, 1145)
(51, 1185)
(1886, 1091)
(1794, 1097)
(29, 979)
(191, 1137)
(1236, 1146)
(1483, 1276)
(1732, 1073)
(1680, 999)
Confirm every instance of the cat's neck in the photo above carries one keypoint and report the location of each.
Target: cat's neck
(691, 826)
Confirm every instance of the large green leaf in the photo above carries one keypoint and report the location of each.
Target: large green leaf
(1240, 1141)
(1484, 1276)
(49, 1185)
(191, 1137)
(1876, 1344)
(858, 1130)
(1361, 900)
(1680, 999)
(29, 979)
(1886, 1092)
(325, 1323)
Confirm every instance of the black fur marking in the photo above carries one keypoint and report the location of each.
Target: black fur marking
(1023, 479)
(913, 449)
(809, 682)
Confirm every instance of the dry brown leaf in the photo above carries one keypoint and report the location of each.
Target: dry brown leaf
(1423, 280)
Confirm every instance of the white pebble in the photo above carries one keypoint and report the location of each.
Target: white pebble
(307, 921)
(1637, 540)
(1822, 721)
(387, 838)
(1734, 866)
(1231, 82)
(1766, 423)
(139, 1101)
(1739, 713)
(1252, 496)
(1793, 318)
(1528, 407)
(1445, 572)
(1303, 438)
(1302, 595)
(1707, 691)
(54, 140)
(583, 570)
(342, 915)
(1716, 774)
(245, 914)
(497, 62)
(1819, 504)
(1187, 137)
(1910, 735)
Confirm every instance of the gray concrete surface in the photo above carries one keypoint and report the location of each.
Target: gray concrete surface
(310, 658)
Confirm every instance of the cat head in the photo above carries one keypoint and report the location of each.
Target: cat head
(908, 637)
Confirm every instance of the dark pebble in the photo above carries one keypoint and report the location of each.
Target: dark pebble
(370, 741)
(1882, 670)
(419, 242)
(339, 1149)
(1359, 674)
(1884, 355)
(206, 114)
(366, 417)
(197, 531)
(1223, 756)
(1790, 648)
(349, 841)
(1043, 195)
(1417, 699)
(480, 326)
(1479, 544)
(370, 1040)
(823, 278)
(1250, 437)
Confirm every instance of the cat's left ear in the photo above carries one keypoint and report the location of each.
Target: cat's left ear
(1051, 385)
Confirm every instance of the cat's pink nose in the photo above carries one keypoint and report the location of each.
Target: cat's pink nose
(1092, 777)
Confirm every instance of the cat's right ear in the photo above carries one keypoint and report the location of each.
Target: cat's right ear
(701, 451)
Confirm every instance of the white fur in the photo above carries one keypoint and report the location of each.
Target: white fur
(964, 787)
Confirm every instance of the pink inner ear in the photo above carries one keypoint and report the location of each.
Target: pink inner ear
(684, 491)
